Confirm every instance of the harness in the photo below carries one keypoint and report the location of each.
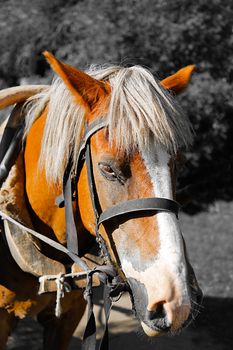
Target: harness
(140, 205)
(114, 284)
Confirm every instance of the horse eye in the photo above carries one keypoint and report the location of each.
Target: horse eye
(107, 171)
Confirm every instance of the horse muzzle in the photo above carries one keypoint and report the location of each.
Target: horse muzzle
(154, 322)
(164, 317)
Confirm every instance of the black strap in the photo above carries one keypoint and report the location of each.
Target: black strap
(71, 232)
(89, 336)
(90, 130)
(137, 205)
(91, 183)
(113, 286)
(47, 240)
(11, 146)
(67, 198)
(95, 203)
(6, 139)
(104, 344)
(11, 141)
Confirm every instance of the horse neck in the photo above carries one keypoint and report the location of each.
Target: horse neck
(46, 216)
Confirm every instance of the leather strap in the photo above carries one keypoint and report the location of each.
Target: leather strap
(104, 344)
(71, 232)
(47, 240)
(111, 281)
(95, 204)
(67, 198)
(11, 141)
(140, 205)
(91, 183)
(11, 146)
(90, 130)
(89, 336)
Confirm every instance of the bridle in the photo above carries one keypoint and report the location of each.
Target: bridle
(131, 206)
(114, 284)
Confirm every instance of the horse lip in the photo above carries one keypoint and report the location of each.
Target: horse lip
(153, 332)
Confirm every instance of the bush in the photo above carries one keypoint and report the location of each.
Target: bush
(163, 35)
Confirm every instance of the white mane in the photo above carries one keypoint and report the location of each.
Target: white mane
(139, 109)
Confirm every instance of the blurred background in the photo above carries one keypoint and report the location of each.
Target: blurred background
(163, 35)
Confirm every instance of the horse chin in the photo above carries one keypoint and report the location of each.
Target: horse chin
(151, 332)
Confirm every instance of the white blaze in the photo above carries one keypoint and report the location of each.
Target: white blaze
(169, 266)
(171, 245)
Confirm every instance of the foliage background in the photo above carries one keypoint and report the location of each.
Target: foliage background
(163, 35)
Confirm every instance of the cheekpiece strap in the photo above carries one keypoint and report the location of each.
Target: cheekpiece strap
(67, 198)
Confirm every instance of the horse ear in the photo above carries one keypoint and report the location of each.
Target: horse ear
(86, 90)
(178, 81)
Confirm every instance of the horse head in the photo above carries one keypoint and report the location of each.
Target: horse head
(133, 157)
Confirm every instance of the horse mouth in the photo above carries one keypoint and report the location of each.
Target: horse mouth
(165, 319)
(161, 325)
(150, 332)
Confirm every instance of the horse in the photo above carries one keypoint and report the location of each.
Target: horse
(133, 157)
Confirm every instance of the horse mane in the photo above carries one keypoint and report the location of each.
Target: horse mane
(140, 109)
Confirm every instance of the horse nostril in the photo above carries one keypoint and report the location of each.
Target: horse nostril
(159, 312)
(158, 318)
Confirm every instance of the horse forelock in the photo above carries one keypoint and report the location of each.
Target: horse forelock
(139, 110)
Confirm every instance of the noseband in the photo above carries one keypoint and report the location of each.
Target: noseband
(132, 206)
